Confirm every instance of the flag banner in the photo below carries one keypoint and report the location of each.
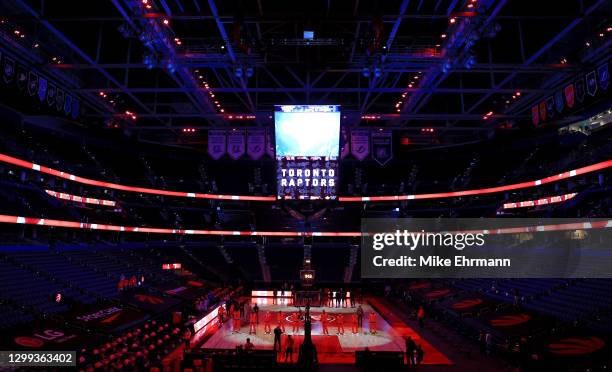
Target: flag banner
(360, 143)
(270, 146)
(256, 143)
(59, 100)
(8, 69)
(382, 146)
(569, 95)
(550, 107)
(559, 104)
(216, 143)
(604, 76)
(535, 115)
(42, 88)
(543, 110)
(580, 89)
(591, 83)
(22, 78)
(75, 108)
(51, 90)
(32, 83)
(344, 143)
(236, 144)
(67, 104)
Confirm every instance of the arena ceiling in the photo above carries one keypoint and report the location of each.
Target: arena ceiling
(158, 66)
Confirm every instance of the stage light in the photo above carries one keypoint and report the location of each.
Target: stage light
(238, 72)
(249, 72)
(452, 20)
(377, 72)
(166, 21)
(365, 72)
(443, 36)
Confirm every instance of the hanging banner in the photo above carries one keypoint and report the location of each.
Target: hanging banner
(344, 143)
(569, 95)
(42, 89)
(543, 110)
(236, 144)
(604, 76)
(360, 143)
(22, 78)
(8, 69)
(51, 95)
(67, 104)
(59, 100)
(382, 146)
(32, 83)
(216, 143)
(559, 104)
(256, 143)
(535, 115)
(580, 89)
(270, 146)
(591, 83)
(550, 107)
(75, 108)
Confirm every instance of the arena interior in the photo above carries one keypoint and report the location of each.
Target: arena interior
(198, 185)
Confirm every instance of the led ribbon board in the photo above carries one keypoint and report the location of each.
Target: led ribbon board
(307, 148)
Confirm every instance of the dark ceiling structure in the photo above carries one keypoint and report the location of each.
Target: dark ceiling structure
(156, 67)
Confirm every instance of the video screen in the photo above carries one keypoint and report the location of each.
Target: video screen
(307, 130)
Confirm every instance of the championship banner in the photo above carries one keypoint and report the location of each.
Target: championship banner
(591, 83)
(559, 104)
(236, 144)
(59, 100)
(22, 78)
(256, 143)
(216, 144)
(51, 90)
(580, 89)
(67, 104)
(75, 108)
(543, 110)
(360, 143)
(604, 76)
(42, 89)
(382, 146)
(535, 115)
(270, 146)
(32, 83)
(550, 107)
(569, 95)
(8, 69)
(344, 143)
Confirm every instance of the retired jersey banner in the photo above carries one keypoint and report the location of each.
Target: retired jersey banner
(360, 143)
(569, 95)
(591, 83)
(270, 146)
(32, 83)
(382, 146)
(216, 143)
(42, 89)
(604, 76)
(535, 115)
(256, 143)
(344, 143)
(236, 144)
(580, 89)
